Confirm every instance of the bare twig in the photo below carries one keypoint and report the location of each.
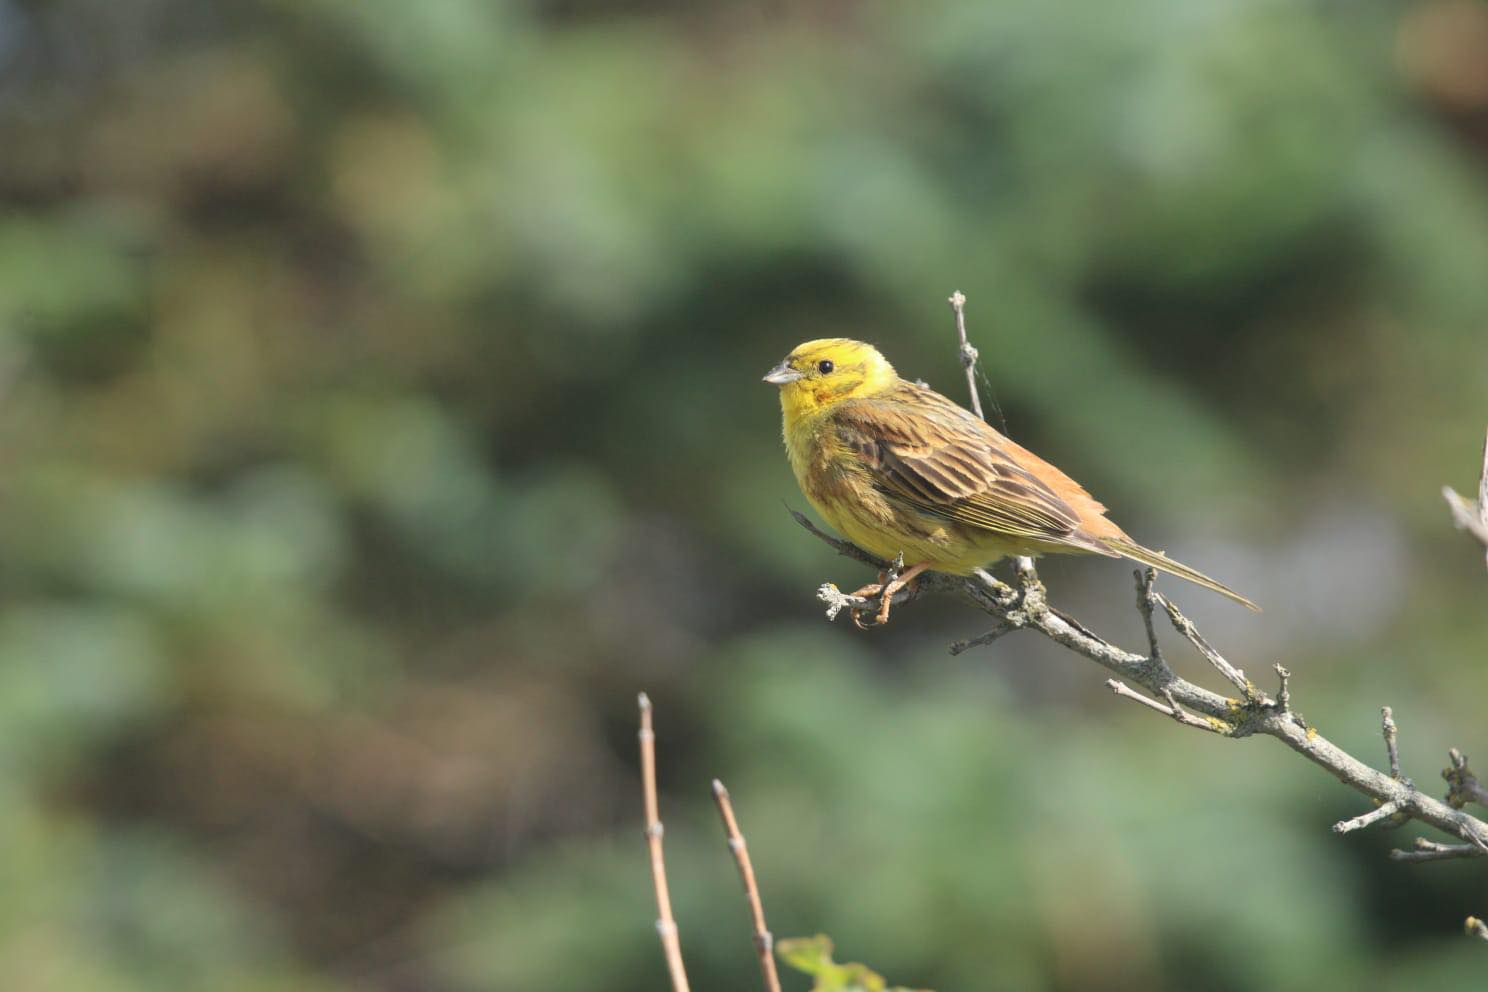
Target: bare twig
(1189, 720)
(1473, 519)
(1125, 691)
(1146, 600)
(764, 941)
(1186, 627)
(1172, 708)
(666, 925)
(1284, 692)
(968, 353)
(969, 356)
(1430, 850)
(959, 647)
(1392, 749)
(1382, 812)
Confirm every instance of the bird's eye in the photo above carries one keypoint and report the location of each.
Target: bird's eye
(825, 367)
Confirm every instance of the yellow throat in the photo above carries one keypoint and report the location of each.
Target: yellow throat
(817, 375)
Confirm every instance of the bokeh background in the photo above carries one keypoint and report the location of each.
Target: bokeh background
(381, 411)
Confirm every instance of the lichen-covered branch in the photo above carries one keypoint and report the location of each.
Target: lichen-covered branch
(1258, 715)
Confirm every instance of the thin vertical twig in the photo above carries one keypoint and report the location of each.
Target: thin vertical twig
(968, 353)
(969, 357)
(1284, 693)
(1392, 747)
(764, 941)
(1146, 601)
(666, 924)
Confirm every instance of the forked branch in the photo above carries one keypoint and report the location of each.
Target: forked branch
(666, 925)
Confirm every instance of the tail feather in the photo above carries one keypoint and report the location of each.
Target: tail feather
(1161, 562)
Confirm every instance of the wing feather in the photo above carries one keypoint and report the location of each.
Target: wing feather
(924, 450)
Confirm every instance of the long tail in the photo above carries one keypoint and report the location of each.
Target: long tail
(1163, 563)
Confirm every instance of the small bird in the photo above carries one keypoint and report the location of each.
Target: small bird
(897, 468)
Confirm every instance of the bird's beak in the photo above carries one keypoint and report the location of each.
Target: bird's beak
(782, 374)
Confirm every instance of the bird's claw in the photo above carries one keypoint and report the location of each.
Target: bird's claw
(864, 592)
(885, 588)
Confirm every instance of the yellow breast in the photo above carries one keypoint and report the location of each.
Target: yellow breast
(841, 490)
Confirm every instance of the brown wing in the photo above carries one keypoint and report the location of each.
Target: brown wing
(928, 452)
(925, 451)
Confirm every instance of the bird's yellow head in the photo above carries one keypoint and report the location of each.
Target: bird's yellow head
(817, 375)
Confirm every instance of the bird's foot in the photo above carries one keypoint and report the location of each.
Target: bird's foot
(872, 588)
(885, 589)
(863, 592)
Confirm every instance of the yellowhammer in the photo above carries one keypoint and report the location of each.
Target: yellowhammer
(896, 467)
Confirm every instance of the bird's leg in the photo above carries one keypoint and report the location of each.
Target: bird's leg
(910, 574)
(872, 588)
(889, 589)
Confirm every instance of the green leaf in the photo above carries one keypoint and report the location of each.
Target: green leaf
(813, 955)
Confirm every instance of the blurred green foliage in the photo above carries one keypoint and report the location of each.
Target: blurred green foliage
(380, 411)
(813, 955)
